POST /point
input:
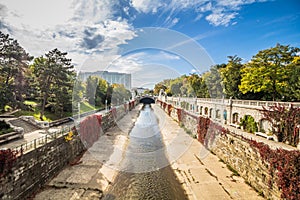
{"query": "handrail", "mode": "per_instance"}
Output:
(251, 103)
(51, 136)
(43, 140)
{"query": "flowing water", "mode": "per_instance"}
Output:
(145, 172)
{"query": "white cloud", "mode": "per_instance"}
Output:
(235, 4)
(147, 6)
(193, 71)
(175, 21)
(219, 18)
(37, 14)
(83, 28)
(206, 7)
(229, 9)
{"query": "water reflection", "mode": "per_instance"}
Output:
(143, 173)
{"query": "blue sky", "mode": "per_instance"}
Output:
(185, 36)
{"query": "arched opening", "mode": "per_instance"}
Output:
(264, 126)
(210, 112)
(206, 111)
(248, 124)
(218, 114)
(147, 100)
(235, 118)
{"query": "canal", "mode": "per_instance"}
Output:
(145, 171)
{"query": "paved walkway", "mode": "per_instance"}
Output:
(201, 174)
(96, 169)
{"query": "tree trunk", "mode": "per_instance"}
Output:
(43, 106)
(274, 90)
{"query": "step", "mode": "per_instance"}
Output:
(25, 125)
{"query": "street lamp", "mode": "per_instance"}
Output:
(79, 111)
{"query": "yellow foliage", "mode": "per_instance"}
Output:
(69, 136)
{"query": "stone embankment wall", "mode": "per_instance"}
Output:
(271, 168)
(32, 169)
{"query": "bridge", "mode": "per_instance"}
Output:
(166, 151)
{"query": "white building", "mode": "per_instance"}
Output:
(110, 77)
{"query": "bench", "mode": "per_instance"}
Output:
(269, 137)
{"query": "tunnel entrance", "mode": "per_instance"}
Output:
(147, 100)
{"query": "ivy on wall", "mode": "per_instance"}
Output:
(169, 108)
(285, 122)
(7, 159)
(208, 130)
(283, 163)
(90, 129)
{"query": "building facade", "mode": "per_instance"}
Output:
(110, 77)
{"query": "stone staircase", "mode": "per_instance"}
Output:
(28, 127)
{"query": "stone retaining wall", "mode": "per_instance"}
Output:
(33, 169)
(236, 151)
(248, 163)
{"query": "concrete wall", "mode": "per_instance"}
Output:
(34, 168)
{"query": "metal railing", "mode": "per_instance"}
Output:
(31, 145)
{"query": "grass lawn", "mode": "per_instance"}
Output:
(49, 116)
(85, 107)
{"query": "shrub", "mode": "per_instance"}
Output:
(249, 124)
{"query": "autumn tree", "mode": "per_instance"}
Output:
(158, 87)
(267, 71)
(292, 92)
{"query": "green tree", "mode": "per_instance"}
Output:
(120, 94)
(101, 91)
(78, 91)
(14, 62)
(292, 91)
(175, 87)
(267, 71)
(158, 87)
(91, 86)
(214, 82)
(231, 77)
(54, 76)
(199, 86)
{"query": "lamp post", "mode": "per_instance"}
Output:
(105, 105)
(79, 111)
